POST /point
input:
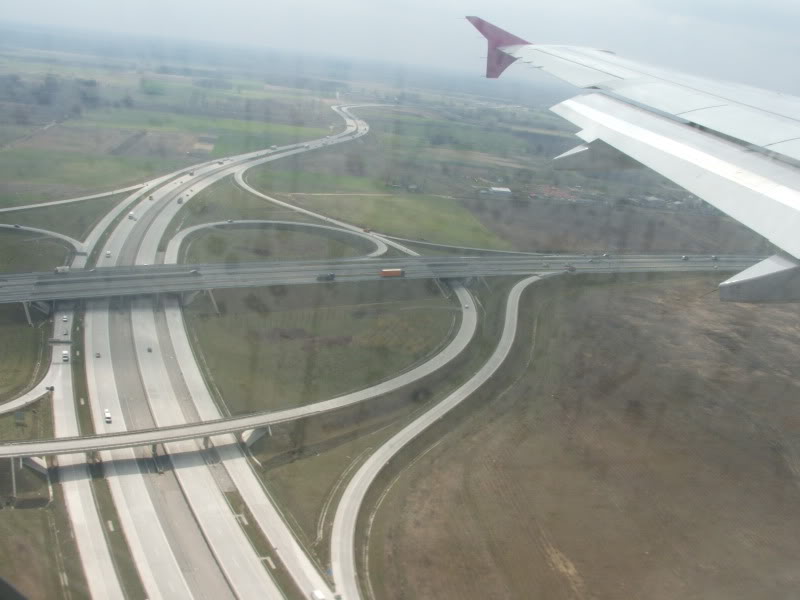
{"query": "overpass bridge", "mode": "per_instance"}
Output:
(104, 282)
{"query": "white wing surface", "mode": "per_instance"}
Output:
(735, 146)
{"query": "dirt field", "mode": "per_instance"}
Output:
(562, 226)
(648, 450)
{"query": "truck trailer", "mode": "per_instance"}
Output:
(393, 272)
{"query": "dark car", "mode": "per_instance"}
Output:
(326, 277)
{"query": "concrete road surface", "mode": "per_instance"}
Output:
(343, 558)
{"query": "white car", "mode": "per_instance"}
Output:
(107, 416)
(64, 318)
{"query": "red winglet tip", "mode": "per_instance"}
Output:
(496, 61)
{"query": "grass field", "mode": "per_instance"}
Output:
(75, 220)
(250, 244)
(40, 174)
(22, 351)
(274, 179)
(38, 555)
(279, 347)
(22, 252)
(649, 420)
(307, 464)
(442, 220)
(225, 200)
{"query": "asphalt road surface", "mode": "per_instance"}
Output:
(153, 279)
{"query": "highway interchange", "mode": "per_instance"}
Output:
(183, 536)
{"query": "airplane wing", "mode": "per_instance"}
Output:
(735, 146)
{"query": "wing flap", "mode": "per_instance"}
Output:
(759, 192)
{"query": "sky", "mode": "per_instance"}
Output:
(748, 41)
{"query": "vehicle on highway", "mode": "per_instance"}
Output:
(714, 257)
(64, 318)
(194, 272)
(61, 269)
(180, 200)
(392, 272)
(16, 226)
(570, 268)
(230, 220)
(326, 277)
(97, 355)
(684, 257)
(131, 216)
(107, 416)
(108, 253)
(65, 355)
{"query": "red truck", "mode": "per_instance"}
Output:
(393, 272)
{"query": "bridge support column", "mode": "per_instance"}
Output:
(26, 306)
(44, 307)
(213, 301)
(13, 481)
(188, 297)
(251, 436)
(441, 287)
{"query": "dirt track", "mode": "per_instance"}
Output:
(649, 451)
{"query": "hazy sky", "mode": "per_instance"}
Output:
(754, 42)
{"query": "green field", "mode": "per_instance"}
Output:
(308, 463)
(22, 252)
(442, 220)
(280, 347)
(225, 200)
(75, 219)
(272, 179)
(251, 244)
(36, 172)
(38, 553)
(22, 353)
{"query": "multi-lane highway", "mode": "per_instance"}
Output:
(156, 279)
(182, 534)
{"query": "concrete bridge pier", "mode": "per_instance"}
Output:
(188, 297)
(251, 436)
(213, 301)
(46, 308)
(13, 481)
(26, 306)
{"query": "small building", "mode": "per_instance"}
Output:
(502, 192)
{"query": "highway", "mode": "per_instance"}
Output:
(343, 559)
(156, 279)
(166, 401)
(154, 397)
(155, 561)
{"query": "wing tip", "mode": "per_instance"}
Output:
(497, 61)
